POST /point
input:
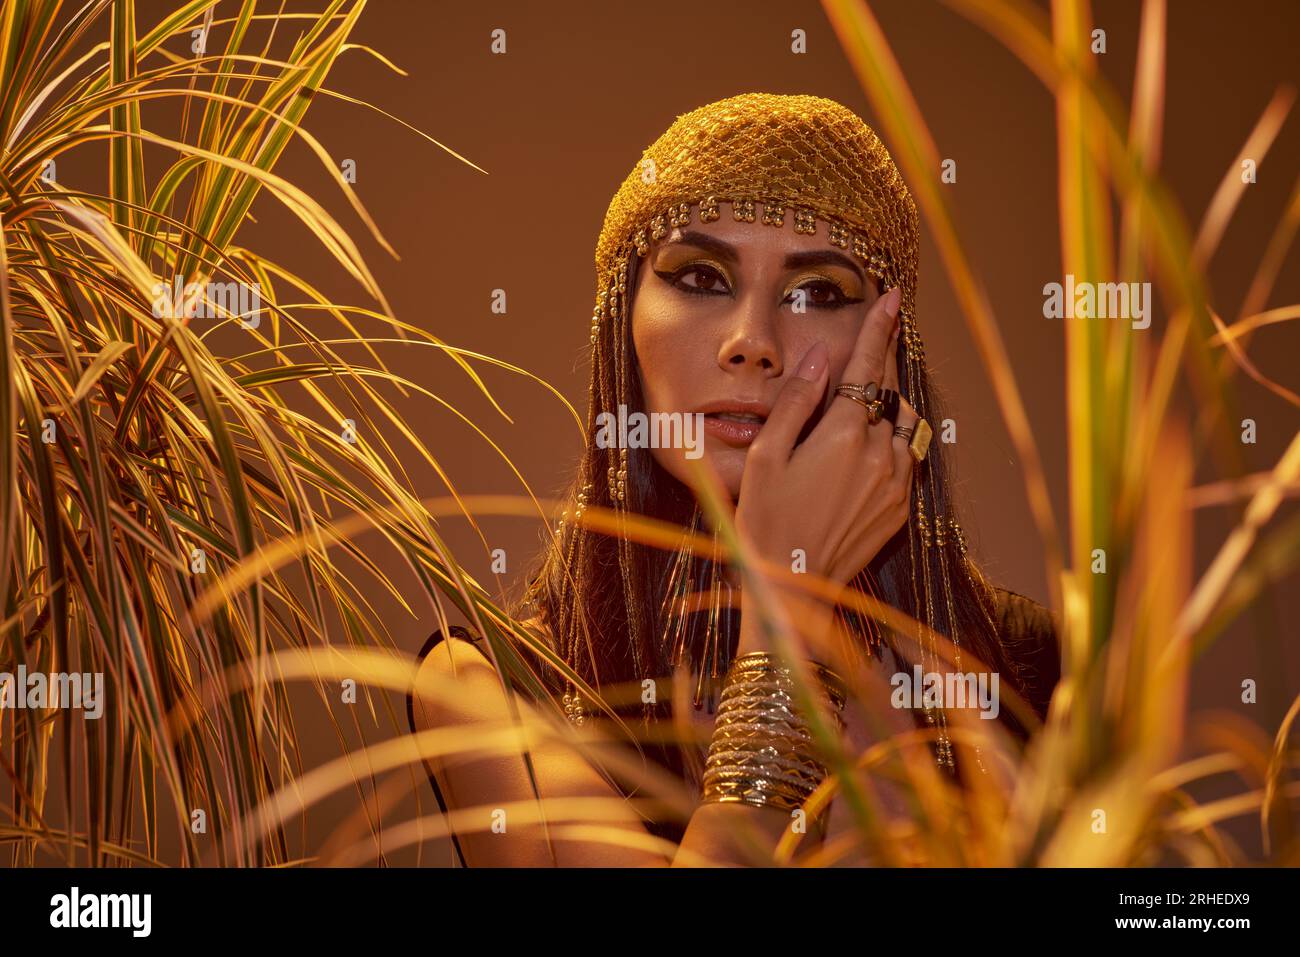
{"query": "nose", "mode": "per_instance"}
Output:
(751, 340)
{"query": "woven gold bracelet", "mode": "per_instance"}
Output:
(762, 750)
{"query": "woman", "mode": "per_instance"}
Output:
(758, 268)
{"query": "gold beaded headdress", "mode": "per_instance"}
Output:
(772, 159)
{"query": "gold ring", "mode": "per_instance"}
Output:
(920, 443)
(869, 391)
(875, 408)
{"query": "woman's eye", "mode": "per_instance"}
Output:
(822, 293)
(701, 279)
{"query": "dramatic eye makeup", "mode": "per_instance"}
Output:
(698, 278)
(680, 263)
(823, 292)
(837, 283)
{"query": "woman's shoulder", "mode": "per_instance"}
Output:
(458, 633)
(455, 653)
(462, 653)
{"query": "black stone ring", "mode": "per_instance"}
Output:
(890, 399)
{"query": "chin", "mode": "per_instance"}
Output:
(728, 462)
(730, 465)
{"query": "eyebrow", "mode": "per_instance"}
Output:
(799, 260)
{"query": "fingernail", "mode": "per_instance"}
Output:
(892, 299)
(810, 367)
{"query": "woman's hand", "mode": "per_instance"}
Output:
(845, 490)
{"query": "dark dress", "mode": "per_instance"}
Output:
(1027, 628)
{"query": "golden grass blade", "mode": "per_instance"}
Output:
(34, 107)
(1214, 583)
(1270, 562)
(1270, 265)
(1233, 185)
(9, 415)
(1231, 490)
(126, 161)
(1274, 814)
(1242, 360)
(100, 365)
(1249, 324)
(370, 106)
(1084, 223)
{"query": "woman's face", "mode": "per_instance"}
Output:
(721, 315)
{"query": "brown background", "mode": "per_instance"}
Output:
(560, 119)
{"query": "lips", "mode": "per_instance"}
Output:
(735, 422)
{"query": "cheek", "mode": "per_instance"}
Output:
(840, 356)
(668, 354)
(840, 342)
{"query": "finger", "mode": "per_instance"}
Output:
(795, 403)
(907, 417)
(899, 486)
(904, 469)
(890, 378)
(887, 462)
(867, 362)
(904, 476)
(880, 433)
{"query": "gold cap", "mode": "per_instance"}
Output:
(772, 158)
